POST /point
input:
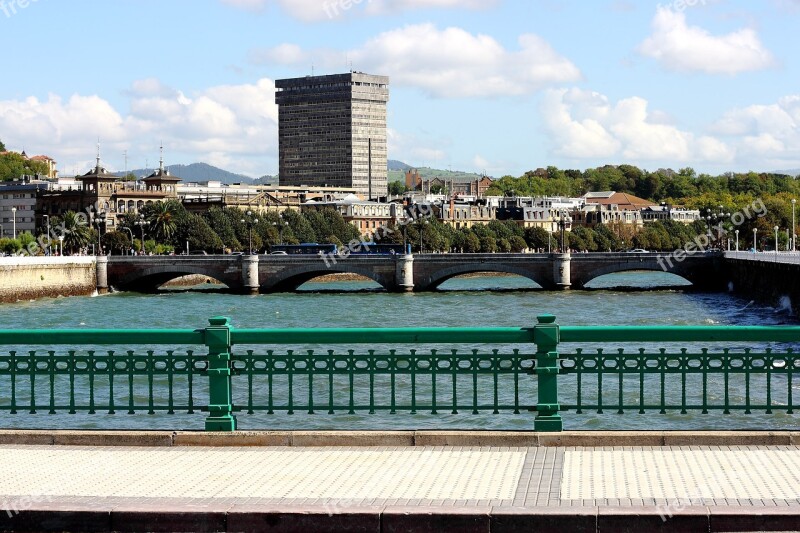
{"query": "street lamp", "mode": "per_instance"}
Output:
(755, 240)
(250, 221)
(142, 223)
(794, 231)
(99, 220)
(129, 230)
(776, 239)
(280, 225)
(422, 223)
(14, 220)
(563, 225)
(47, 229)
(737, 240)
(61, 245)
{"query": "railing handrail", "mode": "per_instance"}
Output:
(57, 337)
(440, 335)
(420, 335)
(630, 334)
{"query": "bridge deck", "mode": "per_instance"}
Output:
(399, 488)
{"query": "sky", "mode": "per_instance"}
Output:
(495, 86)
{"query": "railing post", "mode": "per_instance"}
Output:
(220, 400)
(546, 337)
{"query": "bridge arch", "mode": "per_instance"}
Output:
(438, 277)
(149, 279)
(290, 279)
(580, 279)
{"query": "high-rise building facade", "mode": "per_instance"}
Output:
(332, 132)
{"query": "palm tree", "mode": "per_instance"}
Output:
(163, 219)
(76, 230)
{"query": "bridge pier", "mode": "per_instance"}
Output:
(250, 282)
(562, 274)
(101, 267)
(404, 273)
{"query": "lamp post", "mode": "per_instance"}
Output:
(279, 225)
(14, 221)
(99, 220)
(142, 223)
(129, 230)
(422, 223)
(776, 239)
(250, 221)
(794, 231)
(716, 219)
(61, 245)
(755, 240)
(737, 240)
(562, 223)
(47, 230)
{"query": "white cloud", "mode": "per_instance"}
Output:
(415, 150)
(586, 125)
(448, 63)
(236, 124)
(769, 133)
(683, 48)
(480, 162)
(320, 10)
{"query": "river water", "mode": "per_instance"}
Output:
(475, 301)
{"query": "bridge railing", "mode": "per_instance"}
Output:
(545, 369)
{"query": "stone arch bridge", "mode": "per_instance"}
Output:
(398, 273)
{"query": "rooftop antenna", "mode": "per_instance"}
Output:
(97, 167)
(125, 155)
(312, 69)
(161, 161)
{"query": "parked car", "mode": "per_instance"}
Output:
(278, 252)
(198, 252)
(637, 251)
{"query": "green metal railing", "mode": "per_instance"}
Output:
(544, 369)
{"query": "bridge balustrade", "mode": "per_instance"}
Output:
(539, 372)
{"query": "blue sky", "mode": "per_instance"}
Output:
(503, 86)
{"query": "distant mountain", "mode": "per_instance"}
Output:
(394, 164)
(196, 172)
(430, 173)
(266, 180)
(792, 172)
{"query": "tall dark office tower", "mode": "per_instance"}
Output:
(332, 131)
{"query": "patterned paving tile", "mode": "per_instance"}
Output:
(682, 473)
(283, 473)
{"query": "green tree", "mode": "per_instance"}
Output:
(221, 223)
(518, 244)
(488, 244)
(116, 242)
(13, 166)
(163, 217)
(2, 146)
(537, 238)
(396, 188)
(472, 244)
(75, 229)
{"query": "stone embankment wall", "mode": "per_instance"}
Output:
(27, 278)
(776, 284)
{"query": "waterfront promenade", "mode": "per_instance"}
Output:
(399, 481)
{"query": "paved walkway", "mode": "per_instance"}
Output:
(399, 488)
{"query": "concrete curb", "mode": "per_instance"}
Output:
(384, 519)
(400, 438)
